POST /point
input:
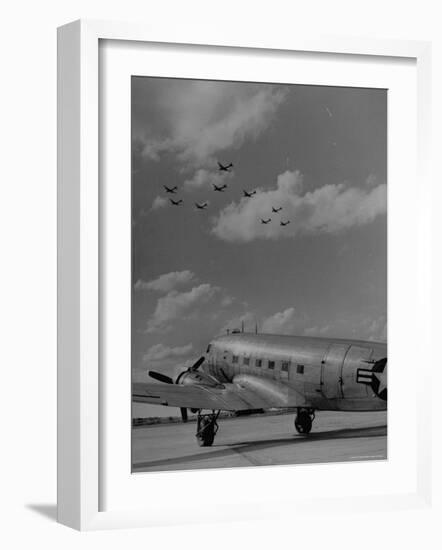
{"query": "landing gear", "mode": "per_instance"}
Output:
(304, 419)
(206, 428)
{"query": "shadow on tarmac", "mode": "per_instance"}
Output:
(224, 450)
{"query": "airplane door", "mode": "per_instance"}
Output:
(331, 371)
(357, 357)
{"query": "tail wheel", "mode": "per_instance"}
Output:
(303, 422)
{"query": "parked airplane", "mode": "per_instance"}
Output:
(244, 371)
(226, 168)
(284, 223)
(219, 187)
(276, 210)
(265, 222)
(201, 206)
(176, 203)
(172, 190)
(248, 194)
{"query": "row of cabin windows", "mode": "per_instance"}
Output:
(270, 364)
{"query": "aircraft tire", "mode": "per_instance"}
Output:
(206, 434)
(303, 422)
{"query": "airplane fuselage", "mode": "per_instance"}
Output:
(318, 373)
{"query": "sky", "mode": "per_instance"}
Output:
(318, 152)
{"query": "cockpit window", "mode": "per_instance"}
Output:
(258, 363)
(235, 359)
(246, 361)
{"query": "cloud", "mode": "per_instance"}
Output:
(206, 178)
(227, 301)
(159, 353)
(179, 305)
(204, 118)
(328, 209)
(283, 322)
(167, 281)
(159, 202)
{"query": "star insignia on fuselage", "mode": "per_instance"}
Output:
(379, 379)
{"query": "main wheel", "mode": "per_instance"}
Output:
(303, 422)
(206, 433)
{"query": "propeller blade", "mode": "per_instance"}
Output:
(160, 377)
(196, 365)
(183, 414)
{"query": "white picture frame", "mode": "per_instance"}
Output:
(79, 294)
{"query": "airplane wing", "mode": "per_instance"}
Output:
(246, 393)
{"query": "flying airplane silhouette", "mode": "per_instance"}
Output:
(176, 203)
(201, 206)
(265, 222)
(284, 223)
(172, 190)
(276, 210)
(219, 187)
(248, 194)
(223, 168)
(244, 371)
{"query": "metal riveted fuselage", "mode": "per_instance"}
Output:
(322, 373)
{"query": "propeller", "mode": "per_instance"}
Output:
(197, 365)
(160, 377)
(168, 380)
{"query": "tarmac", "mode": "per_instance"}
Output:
(262, 440)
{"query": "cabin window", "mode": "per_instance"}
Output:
(208, 348)
(285, 366)
(235, 359)
(246, 361)
(258, 363)
(300, 369)
(271, 365)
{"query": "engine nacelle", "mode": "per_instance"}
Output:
(192, 377)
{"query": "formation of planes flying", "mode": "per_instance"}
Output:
(200, 206)
(275, 211)
(221, 189)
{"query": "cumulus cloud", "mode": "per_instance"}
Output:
(283, 322)
(159, 353)
(179, 305)
(204, 118)
(159, 202)
(167, 281)
(328, 209)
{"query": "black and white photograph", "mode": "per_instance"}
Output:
(259, 274)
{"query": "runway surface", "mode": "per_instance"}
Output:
(262, 440)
